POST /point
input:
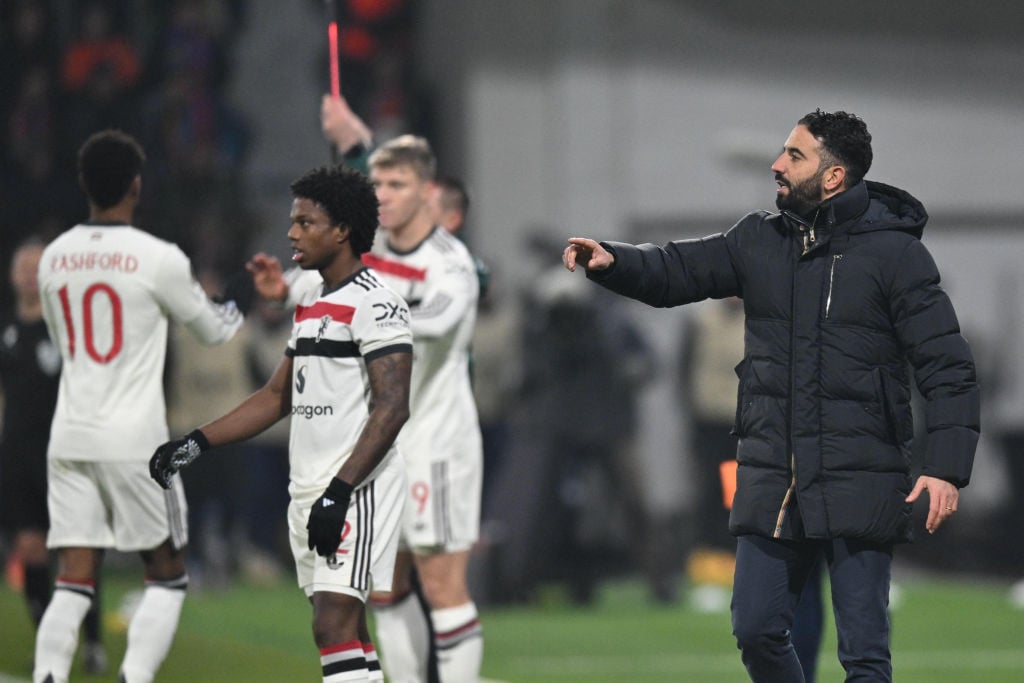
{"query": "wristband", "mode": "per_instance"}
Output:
(200, 439)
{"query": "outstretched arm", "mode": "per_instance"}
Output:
(259, 411)
(253, 415)
(587, 253)
(341, 126)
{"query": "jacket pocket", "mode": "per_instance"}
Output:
(741, 371)
(886, 389)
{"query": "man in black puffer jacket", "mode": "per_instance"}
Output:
(840, 297)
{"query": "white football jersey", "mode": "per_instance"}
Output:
(107, 292)
(334, 334)
(438, 281)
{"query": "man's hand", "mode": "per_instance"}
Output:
(341, 126)
(174, 455)
(267, 277)
(942, 500)
(587, 253)
(327, 518)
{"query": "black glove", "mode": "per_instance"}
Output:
(327, 518)
(240, 289)
(173, 455)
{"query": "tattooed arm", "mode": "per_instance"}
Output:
(389, 409)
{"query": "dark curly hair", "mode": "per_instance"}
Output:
(347, 197)
(845, 140)
(108, 162)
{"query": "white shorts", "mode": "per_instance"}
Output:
(112, 504)
(442, 507)
(365, 559)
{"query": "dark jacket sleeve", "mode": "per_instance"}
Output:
(927, 327)
(681, 272)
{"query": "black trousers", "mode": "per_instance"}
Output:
(770, 577)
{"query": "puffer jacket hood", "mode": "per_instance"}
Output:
(891, 209)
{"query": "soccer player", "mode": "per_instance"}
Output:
(449, 203)
(345, 382)
(448, 206)
(436, 275)
(441, 444)
(107, 290)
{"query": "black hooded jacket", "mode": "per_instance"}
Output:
(836, 318)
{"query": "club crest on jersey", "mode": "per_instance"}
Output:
(324, 322)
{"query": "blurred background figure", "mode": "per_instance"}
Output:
(567, 499)
(712, 347)
(449, 203)
(29, 377)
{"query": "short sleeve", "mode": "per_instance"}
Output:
(381, 323)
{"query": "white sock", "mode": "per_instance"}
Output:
(404, 639)
(460, 643)
(344, 663)
(152, 629)
(57, 636)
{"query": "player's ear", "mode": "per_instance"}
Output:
(344, 232)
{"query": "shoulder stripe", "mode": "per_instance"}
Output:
(395, 268)
(367, 280)
(337, 312)
(443, 241)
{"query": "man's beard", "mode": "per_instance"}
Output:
(802, 197)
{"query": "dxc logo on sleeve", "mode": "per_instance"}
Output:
(390, 315)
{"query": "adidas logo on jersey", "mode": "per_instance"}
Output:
(328, 502)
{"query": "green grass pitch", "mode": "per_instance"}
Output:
(943, 631)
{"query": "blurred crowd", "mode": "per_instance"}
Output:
(156, 70)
